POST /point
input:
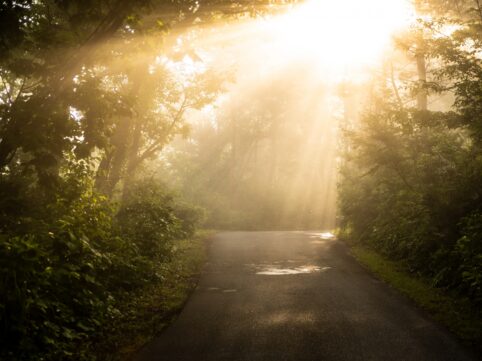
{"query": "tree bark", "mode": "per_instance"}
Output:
(112, 166)
(422, 95)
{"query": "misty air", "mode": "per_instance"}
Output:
(210, 180)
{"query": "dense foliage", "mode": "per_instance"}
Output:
(65, 270)
(90, 92)
(411, 182)
(84, 104)
(91, 95)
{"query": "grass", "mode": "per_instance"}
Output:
(147, 312)
(456, 313)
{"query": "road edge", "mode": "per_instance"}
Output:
(454, 313)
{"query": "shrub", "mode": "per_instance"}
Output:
(52, 292)
(469, 251)
(410, 188)
(147, 219)
(67, 261)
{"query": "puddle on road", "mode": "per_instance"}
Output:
(327, 235)
(217, 289)
(288, 317)
(278, 271)
(322, 235)
(321, 238)
(285, 268)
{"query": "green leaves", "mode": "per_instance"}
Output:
(411, 180)
(65, 272)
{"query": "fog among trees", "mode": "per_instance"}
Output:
(126, 126)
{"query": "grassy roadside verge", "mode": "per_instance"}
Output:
(147, 312)
(456, 313)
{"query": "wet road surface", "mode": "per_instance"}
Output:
(273, 296)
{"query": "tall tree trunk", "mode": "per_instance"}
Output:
(132, 161)
(422, 96)
(234, 154)
(125, 140)
(102, 174)
(112, 167)
(7, 152)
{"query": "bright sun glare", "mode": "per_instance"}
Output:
(337, 34)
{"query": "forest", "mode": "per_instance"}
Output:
(128, 126)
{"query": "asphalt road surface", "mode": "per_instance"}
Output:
(273, 296)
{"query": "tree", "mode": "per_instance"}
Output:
(411, 177)
(54, 53)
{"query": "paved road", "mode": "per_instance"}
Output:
(274, 296)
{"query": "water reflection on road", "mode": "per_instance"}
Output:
(271, 270)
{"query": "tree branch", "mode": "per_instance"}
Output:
(160, 142)
(479, 8)
(394, 86)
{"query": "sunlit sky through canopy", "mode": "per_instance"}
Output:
(334, 37)
(297, 57)
(340, 33)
